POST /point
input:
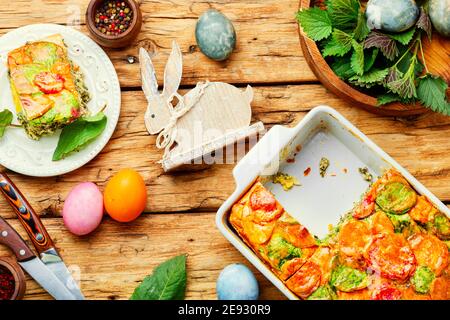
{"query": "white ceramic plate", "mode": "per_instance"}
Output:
(34, 158)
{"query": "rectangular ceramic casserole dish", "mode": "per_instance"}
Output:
(317, 202)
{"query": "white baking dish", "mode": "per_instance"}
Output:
(318, 201)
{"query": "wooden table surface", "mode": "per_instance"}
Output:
(181, 207)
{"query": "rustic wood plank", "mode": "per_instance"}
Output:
(113, 260)
(267, 50)
(421, 145)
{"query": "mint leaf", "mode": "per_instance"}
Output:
(339, 44)
(6, 118)
(432, 92)
(79, 133)
(357, 59)
(361, 30)
(370, 78)
(369, 58)
(404, 37)
(315, 23)
(167, 282)
(424, 22)
(385, 43)
(383, 99)
(343, 13)
(342, 68)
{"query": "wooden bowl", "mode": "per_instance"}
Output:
(19, 278)
(437, 55)
(114, 41)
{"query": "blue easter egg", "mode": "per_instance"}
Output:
(215, 35)
(391, 16)
(237, 282)
(440, 16)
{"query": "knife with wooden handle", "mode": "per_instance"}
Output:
(29, 219)
(38, 234)
(32, 264)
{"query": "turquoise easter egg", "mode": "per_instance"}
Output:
(440, 16)
(392, 15)
(215, 35)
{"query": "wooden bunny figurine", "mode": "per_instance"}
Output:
(207, 118)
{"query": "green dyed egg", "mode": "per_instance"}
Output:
(440, 16)
(215, 35)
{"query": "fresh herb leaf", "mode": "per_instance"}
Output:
(339, 44)
(404, 37)
(371, 78)
(167, 282)
(386, 98)
(424, 22)
(404, 63)
(432, 92)
(369, 58)
(405, 86)
(393, 75)
(357, 59)
(343, 13)
(6, 118)
(79, 133)
(315, 23)
(385, 43)
(361, 30)
(342, 68)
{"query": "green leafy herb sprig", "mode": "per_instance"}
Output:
(73, 137)
(386, 65)
(167, 282)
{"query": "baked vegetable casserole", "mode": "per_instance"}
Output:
(48, 89)
(393, 245)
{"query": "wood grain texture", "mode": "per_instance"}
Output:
(436, 52)
(421, 145)
(112, 261)
(267, 38)
(116, 257)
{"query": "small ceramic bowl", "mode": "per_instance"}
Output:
(19, 278)
(114, 41)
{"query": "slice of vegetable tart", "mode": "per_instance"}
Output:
(47, 88)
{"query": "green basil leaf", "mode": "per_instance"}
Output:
(79, 133)
(167, 282)
(6, 118)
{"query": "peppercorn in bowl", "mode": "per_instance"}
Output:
(113, 24)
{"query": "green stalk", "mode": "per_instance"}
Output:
(423, 56)
(406, 51)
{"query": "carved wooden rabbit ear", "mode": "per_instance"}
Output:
(173, 72)
(148, 77)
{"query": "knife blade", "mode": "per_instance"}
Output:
(38, 234)
(32, 264)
